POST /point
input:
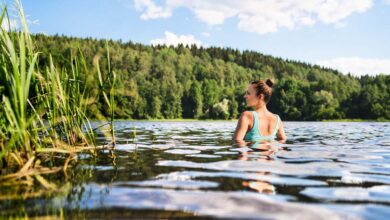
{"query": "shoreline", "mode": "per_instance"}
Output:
(235, 120)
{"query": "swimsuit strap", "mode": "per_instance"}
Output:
(255, 121)
(277, 126)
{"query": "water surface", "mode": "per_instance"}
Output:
(326, 170)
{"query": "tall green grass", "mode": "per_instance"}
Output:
(17, 64)
(107, 85)
(43, 110)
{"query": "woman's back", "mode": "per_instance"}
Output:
(262, 128)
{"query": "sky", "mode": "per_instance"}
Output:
(348, 35)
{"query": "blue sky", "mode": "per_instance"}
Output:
(349, 35)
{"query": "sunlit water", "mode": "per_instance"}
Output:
(192, 169)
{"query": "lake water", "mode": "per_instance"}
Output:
(326, 170)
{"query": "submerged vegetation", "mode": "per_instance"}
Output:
(43, 111)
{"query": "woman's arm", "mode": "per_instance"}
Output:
(242, 126)
(280, 135)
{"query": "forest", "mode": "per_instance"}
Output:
(166, 82)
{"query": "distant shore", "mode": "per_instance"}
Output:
(234, 120)
(357, 120)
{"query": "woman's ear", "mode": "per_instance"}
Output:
(261, 96)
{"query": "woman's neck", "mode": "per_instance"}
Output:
(261, 109)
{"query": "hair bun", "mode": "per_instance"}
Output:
(269, 83)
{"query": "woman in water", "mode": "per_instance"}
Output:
(259, 124)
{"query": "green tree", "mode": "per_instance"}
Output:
(195, 103)
(173, 73)
(289, 99)
(325, 106)
(210, 95)
(221, 110)
(155, 110)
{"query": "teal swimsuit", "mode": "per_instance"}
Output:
(254, 133)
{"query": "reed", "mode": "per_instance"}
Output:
(107, 90)
(43, 110)
(17, 64)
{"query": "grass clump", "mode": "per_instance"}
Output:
(43, 110)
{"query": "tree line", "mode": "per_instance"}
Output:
(166, 82)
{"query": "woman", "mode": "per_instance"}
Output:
(260, 124)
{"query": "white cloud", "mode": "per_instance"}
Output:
(33, 22)
(261, 16)
(44, 33)
(9, 24)
(340, 25)
(206, 34)
(173, 39)
(358, 66)
(13, 22)
(152, 11)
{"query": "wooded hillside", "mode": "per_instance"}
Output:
(193, 82)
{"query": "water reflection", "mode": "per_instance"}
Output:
(260, 186)
(193, 169)
(262, 151)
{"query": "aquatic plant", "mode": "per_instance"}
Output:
(43, 109)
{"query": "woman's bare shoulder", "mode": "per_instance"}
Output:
(246, 113)
(246, 116)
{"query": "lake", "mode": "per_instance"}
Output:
(326, 170)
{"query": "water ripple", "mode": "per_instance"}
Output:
(325, 170)
(243, 205)
(372, 194)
